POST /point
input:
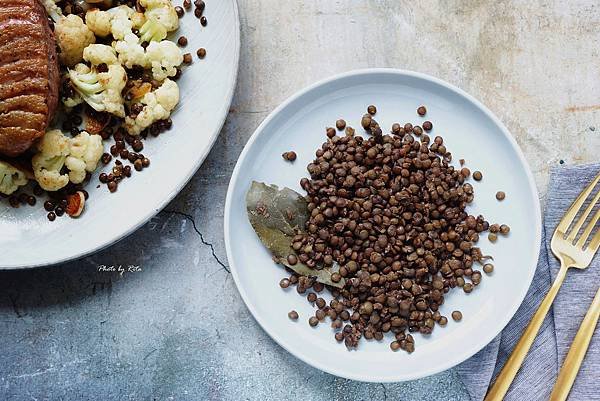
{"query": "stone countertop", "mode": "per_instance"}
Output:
(177, 328)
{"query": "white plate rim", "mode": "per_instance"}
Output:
(183, 182)
(481, 342)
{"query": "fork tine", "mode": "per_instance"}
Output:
(586, 233)
(594, 243)
(582, 219)
(572, 212)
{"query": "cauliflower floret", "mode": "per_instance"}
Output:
(72, 36)
(55, 151)
(131, 52)
(84, 154)
(120, 22)
(164, 58)
(152, 31)
(163, 11)
(71, 102)
(157, 105)
(117, 21)
(99, 22)
(98, 54)
(11, 178)
(48, 162)
(138, 20)
(52, 9)
(101, 90)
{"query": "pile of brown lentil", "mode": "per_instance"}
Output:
(390, 211)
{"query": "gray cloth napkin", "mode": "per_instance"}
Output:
(538, 374)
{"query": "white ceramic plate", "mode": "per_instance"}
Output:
(28, 239)
(471, 132)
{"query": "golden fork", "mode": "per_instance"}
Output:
(579, 347)
(569, 254)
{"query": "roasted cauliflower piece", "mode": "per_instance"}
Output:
(131, 52)
(84, 153)
(101, 90)
(164, 58)
(157, 105)
(72, 36)
(47, 164)
(163, 11)
(152, 31)
(98, 54)
(118, 21)
(11, 178)
(99, 22)
(55, 151)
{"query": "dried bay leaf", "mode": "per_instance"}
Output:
(276, 216)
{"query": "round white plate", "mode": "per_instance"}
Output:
(471, 132)
(28, 239)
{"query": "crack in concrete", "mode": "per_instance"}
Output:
(384, 391)
(193, 221)
(150, 353)
(13, 302)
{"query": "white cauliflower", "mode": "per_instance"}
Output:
(98, 54)
(138, 19)
(71, 102)
(157, 105)
(84, 153)
(11, 178)
(55, 151)
(152, 31)
(47, 164)
(163, 11)
(99, 22)
(72, 36)
(101, 90)
(131, 52)
(118, 21)
(52, 9)
(164, 58)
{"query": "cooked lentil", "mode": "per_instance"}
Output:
(182, 41)
(289, 156)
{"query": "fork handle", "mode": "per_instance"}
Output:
(516, 358)
(580, 344)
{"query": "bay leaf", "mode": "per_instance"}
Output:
(276, 215)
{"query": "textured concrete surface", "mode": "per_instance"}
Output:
(177, 328)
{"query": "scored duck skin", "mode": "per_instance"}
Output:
(29, 77)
